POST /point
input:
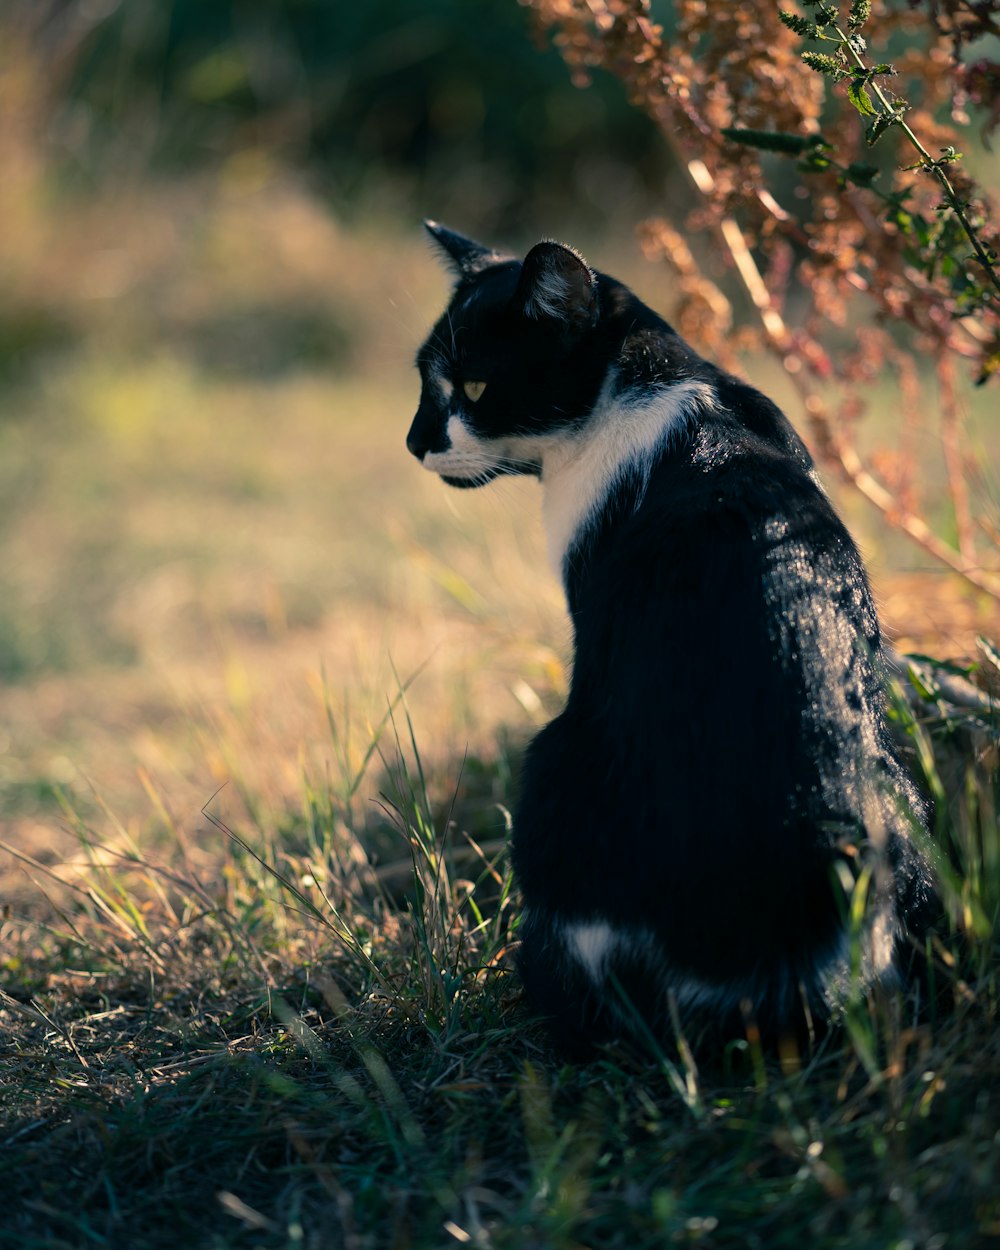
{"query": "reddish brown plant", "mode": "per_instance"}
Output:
(834, 181)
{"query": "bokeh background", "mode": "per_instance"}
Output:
(213, 544)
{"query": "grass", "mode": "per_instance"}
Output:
(302, 1048)
(256, 941)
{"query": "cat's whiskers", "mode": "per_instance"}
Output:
(414, 307)
(526, 463)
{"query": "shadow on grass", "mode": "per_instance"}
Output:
(233, 1129)
(304, 1052)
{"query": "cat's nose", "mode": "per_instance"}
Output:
(416, 445)
(424, 435)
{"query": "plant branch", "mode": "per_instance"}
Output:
(839, 450)
(928, 163)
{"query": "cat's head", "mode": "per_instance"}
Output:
(507, 367)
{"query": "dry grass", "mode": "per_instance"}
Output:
(211, 587)
(285, 1044)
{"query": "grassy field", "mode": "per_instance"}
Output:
(264, 687)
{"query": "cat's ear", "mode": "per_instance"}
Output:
(465, 256)
(557, 284)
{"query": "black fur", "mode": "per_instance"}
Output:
(722, 766)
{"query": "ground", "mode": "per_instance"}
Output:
(265, 683)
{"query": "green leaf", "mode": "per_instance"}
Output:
(923, 688)
(814, 162)
(774, 140)
(901, 218)
(800, 25)
(990, 368)
(878, 128)
(860, 98)
(823, 63)
(861, 174)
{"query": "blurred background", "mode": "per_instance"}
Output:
(212, 284)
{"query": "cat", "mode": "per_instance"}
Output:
(693, 827)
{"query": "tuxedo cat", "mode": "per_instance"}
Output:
(721, 786)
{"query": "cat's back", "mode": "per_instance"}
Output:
(725, 679)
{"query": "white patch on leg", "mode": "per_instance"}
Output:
(591, 943)
(595, 943)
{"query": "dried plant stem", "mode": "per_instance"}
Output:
(900, 244)
(951, 445)
(911, 524)
(836, 448)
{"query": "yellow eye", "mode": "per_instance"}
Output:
(473, 390)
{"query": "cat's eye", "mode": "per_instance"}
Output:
(473, 390)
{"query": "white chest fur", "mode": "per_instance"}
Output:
(622, 435)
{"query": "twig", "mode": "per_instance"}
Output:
(33, 1012)
(955, 689)
(838, 449)
(950, 446)
(927, 163)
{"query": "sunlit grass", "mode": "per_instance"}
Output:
(298, 1026)
(257, 951)
(175, 540)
